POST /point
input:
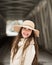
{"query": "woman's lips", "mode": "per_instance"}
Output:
(25, 34)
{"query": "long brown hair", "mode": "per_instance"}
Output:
(17, 39)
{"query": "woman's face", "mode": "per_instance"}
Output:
(26, 32)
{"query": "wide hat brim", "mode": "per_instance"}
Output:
(17, 28)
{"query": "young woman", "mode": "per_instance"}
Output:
(24, 49)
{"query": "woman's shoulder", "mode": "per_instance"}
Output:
(32, 41)
(31, 44)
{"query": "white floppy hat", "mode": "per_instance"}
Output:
(27, 24)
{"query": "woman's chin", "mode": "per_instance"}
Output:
(25, 36)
